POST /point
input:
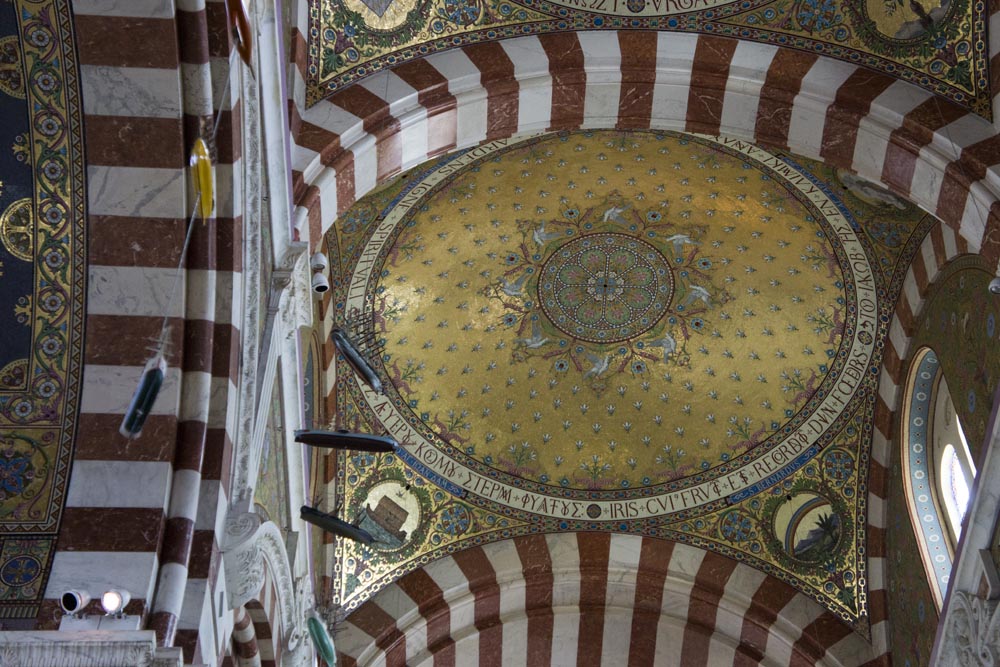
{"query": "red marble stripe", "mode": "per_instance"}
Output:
(119, 340)
(940, 252)
(378, 122)
(187, 640)
(990, 244)
(654, 564)
(497, 77)
(486, 592)
(117, 41)
(709, 76)
(97, 439)
(635, 100)
(148, 242)
(434, 608)
(781, 84)
(128, 141)
(959, 176)
(178, 535)
(204, 553)
(164, 624)
(220, 42)
(110, 529)
(771, 597)
(373, 620)
(595, 551)
(536, 564)
(703, 606)
(920, 274)
(569, 79)
(852, 103)
(816, 639)
(441, 105)
(883, 418)
(891, 360)
(193, 30)
(916, 131)
(300, 53)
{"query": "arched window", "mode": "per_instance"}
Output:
(937, 468)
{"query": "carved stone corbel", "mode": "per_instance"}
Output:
(972, 637)
(250, 548)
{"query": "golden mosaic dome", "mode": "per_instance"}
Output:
(607, 312)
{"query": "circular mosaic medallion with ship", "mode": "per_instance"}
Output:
(602, 311)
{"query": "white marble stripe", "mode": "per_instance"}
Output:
(738, 596)
(137, 192)
(876, 511)
(818, 91)
(531, 69)
(507, 565)
(139, 291)
(109, 484)
(184, 495)
(898, 338)
(108, 390)
(74, 570)
(972, 225)
(670, 634)
(888, 390)
(796, 615)
(155, 9)
(603, 63)
(910, 298)
(880, 447)
(674, 58)
(950, 241)
(193, 605)
(197, 87)
(454, 586)
(464, 82)
(873, 136)
(623, 570)
(742, 97)
(929, 259)
(140, 92)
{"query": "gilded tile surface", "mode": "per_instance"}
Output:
(939, 45)
(42, 255)
(653, 333)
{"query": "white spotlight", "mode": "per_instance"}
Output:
(73, 602)
(114, 601)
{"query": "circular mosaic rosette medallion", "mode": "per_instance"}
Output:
(605, 287)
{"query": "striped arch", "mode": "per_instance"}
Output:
(940, 246)
(927, 150)
(593, 598)
(143, 515)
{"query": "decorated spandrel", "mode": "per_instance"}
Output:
(655, 333)
(938, 45)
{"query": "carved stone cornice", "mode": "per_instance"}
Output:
(249, 546)
(84, 649)
(972, 636)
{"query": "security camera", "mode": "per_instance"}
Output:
(318, 262)
(995, 286)
(73, 602)
(319, 283)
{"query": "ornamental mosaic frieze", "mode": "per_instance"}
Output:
(939, 45)
(42, 255)
(652, 333)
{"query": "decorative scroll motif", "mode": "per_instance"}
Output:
(251, 546)
(62, 649)
(972, 638)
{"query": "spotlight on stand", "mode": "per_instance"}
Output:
(343, 439)
(995, 286)
(113, 602)
(347, 348)
(73, 602)
(332, 524)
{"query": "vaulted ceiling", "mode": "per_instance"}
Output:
(938, 45)
(656, 333)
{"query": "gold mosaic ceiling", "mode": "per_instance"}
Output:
(654, 333)
(939, 45)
